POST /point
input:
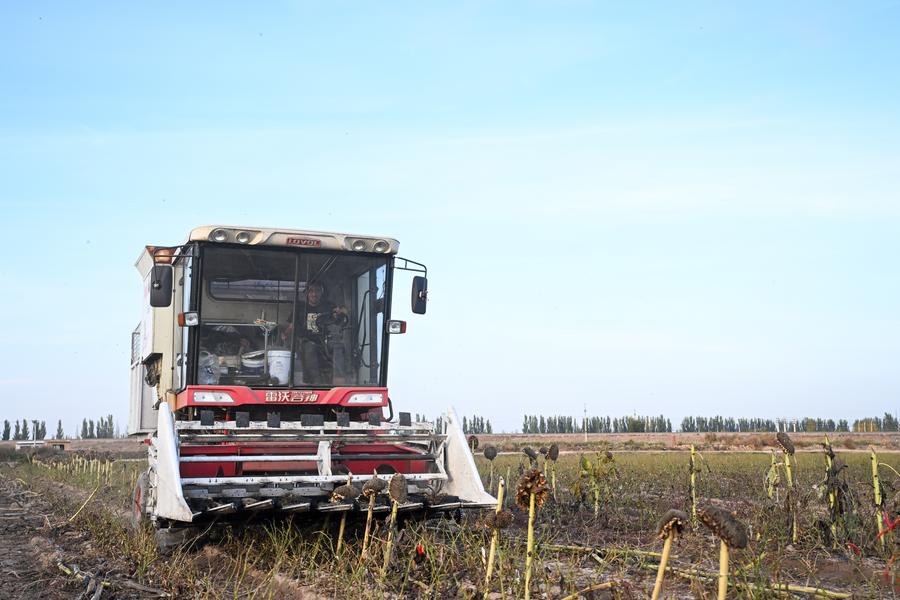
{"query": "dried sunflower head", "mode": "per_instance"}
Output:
(543, 450)
(532, 483)
(785, 442)
(473, 443)
(490, 452)
(346, 492)
(608, 455)
(723, 524)
(531, 454)
(373, 487)
(553, 452)
(397, 488)
(499, 520)
(673, 520)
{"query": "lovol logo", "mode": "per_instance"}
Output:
(291, 396)
(305, 242)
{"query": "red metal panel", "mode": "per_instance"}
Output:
(237, 469)
(222, 469)
(251, 449)
(242, 395)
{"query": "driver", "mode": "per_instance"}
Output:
(316, 335)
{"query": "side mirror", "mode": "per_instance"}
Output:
(419, 294)
(161, 286)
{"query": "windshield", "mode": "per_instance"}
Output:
(290, 318)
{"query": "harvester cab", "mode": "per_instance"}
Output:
(259, 375)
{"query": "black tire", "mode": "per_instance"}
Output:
(170, 539)
(139, 516)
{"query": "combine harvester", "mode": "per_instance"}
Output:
(259, 375)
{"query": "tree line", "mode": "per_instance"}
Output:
(473, 424)
(888, 423)
(698, 424)
(33, 429)
(103, 428)
(37, 431)
(476, 424)
(568, 424)
(732, 425)
(806, 424)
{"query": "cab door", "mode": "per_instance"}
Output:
(184, 302)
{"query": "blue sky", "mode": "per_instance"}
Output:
(654, 208)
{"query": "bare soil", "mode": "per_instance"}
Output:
(39, 547)
(44, 555)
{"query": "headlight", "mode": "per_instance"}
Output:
(244, 237)
(365, 399)
(359, 245)
(212, 397)
(382, 246)
(218, 235)
(188, 319)
(396, 326)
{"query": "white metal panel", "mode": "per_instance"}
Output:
(463, 479)
(170, 503)
(149, 415)
(146, 327)
(251, 458)
(134, 403)
(142, 416)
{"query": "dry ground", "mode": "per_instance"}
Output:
(38, 533)
(39, 544)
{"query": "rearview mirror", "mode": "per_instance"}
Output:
(419, 294)
(161, 286)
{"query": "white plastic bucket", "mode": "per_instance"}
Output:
(279, 365)
(252, 363)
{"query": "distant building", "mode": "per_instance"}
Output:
(62, 445)
(26, 444)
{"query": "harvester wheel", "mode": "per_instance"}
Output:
(170, 539)
(139, 501)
